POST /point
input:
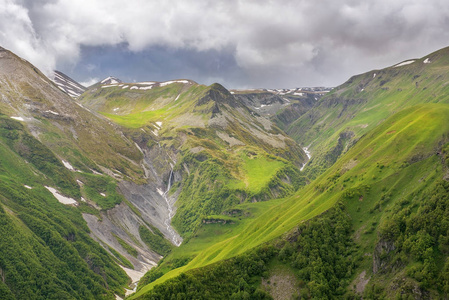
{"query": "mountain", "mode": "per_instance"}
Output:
(68, 85)
(365, 100)
(210, 145)
(117, 160)
(282, 106)
(46, 248)
(372, 222)
(212, 190)
(110, 80)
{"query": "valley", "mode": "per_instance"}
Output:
(161, 190)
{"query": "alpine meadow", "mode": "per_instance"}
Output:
(179, 190)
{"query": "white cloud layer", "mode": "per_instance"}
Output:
(297, 41)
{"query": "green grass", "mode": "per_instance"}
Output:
(156, 241)
(95, 185)
(139, 119)
(122, 260)
(259, 171)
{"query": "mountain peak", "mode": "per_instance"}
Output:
(68, 85)
(111, 80)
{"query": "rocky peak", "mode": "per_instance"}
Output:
(110, 80)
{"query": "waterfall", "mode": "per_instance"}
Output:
(170, 211)
(306, 150)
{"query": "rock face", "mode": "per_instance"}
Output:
(380, 257)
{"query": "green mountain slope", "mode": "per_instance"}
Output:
(388, 168)
(392, 167)
(365, 101)
(55, 149)
(45, 247)
(71, 132)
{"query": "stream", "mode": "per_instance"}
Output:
(306, 150)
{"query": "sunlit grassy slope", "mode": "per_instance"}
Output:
(364, 101)
(396, 156)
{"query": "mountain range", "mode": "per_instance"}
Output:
(200, 192)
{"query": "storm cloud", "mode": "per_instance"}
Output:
(240, 43)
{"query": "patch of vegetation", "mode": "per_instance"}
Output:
(101, 189)
(155, 241)
(121, 258)
(132, 251)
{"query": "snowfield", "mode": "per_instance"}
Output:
(61, 198)
(18, 118)
(404, 63)
(68, 165)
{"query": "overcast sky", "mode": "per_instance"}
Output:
(247, 43)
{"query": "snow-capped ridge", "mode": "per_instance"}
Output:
(67, 84)
(110, 80)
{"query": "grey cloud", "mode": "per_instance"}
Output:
(277, 43)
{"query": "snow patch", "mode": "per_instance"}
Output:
(52, 112)
(374, 75)
(28, 187)
(173, 81)
(146, 82)
(177, 97)
(404, 63)
(146, 87)
(124, 87)
(18, 118)
(61, 198)
(427, 61)
(134, 88)
(103, 194)
(68, 165)
(111, 79)
(159, 124)
(115, 109)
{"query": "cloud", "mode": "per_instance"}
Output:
(90, 81)
(285, 42)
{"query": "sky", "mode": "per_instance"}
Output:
(239, 43)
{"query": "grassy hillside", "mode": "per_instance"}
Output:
(394, 162)
(364, 101)
(45, 247)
